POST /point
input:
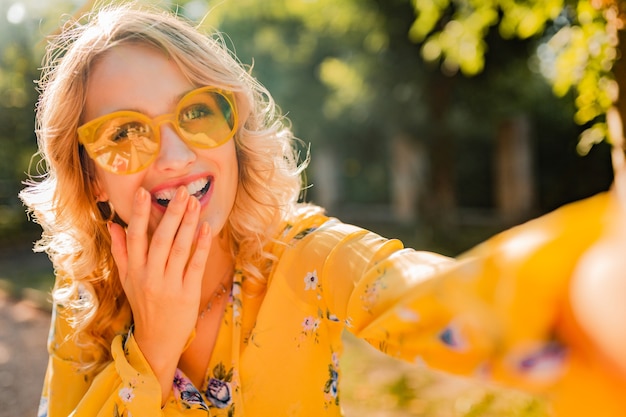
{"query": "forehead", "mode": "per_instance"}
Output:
(133, 77)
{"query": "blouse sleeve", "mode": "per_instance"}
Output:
(125, 386)
(500, 311)
(493, 312)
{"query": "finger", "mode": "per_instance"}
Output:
(181, 248)
(118, 248)
(137, 231)
(163, 237)
(197, 262)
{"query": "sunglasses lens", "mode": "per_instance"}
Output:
(206, 119)
(124, 144)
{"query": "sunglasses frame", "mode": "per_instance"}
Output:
(86, 132)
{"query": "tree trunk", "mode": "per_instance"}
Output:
(443, 204)
(326, 180)
(514, 182)
(408, 170)
(619, 72)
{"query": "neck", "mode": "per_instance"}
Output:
(219, 268)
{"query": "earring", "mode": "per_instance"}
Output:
(106, 209)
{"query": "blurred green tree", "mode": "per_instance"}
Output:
(385, 127)
(23, 26)
(581, 40)
(18, 69)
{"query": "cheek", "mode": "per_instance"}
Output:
(233, 174)
(228, 182)
(121, 200)
(226, 157)
(119, 191)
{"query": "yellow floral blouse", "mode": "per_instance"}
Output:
(494, 313)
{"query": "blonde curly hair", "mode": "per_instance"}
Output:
(62, 198)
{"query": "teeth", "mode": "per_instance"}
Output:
(192, 188)
(165, 194)
(197, 185)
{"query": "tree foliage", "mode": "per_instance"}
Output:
(578, 49)
(350, 80)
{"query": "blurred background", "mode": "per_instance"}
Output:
(440, 123)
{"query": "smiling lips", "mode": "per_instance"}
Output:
(197, 188)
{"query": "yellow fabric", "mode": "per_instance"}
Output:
(496, 312)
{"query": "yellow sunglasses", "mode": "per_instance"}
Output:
(125, 142)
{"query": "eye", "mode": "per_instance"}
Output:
(195, 112)
(128, 131)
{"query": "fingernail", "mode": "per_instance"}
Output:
(140, 195)
(193, 203)
(204, 229)
(181, 194)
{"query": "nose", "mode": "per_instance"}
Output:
(174, 154)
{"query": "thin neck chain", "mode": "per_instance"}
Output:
(217, 295)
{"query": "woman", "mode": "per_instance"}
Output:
(189, 279)
(169, 205)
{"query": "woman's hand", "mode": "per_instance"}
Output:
(162, 277)
(597, 297)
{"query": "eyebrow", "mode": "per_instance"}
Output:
(173, 103)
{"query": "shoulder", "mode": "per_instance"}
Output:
(308, 225)
(304, 219)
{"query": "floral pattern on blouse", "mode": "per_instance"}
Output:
(451, 337)
(331, 387)
(544, 362)
(311, 281)
(300, 235)
(43, 407)
(372, 294)
(220, 387)
(187, 393)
